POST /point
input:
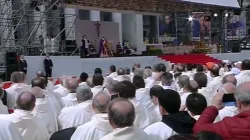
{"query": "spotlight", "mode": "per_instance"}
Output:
(226, 15)
(215, 14)
(190, 18)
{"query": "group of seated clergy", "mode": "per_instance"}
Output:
(182, 102)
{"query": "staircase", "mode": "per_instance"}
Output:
(191, 58)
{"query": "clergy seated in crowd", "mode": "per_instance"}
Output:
(29, 126)
(83, 78)
(50, 85)
(17, 87)
(167, 81)
(173, 120)
(99, 125)
(244, 75)
(113, 89)
(143, 118)
(61, 89)
(229, 79)
(122, 114)
(189, 71)
(191, 87)
(43, 110)
(235, 127)
(3, 108)
(54, 104)
(70, 99)
(113, 73)
(8, 131)
(80, 114)
(98, 81)
(181, 82)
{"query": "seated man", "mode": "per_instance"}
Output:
(155, 92)
(99, 125)
(119, 49)
(98, 84)
(122, 109)
(30, 127)
(173, 120)
(70, 99)
(80, 114)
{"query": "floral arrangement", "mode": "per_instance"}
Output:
(201, 48)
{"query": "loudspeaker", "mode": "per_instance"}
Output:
(11, 59)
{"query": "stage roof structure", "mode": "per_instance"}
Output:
(224, 3)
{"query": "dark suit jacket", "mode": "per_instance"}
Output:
(47, 64)
(23, 64)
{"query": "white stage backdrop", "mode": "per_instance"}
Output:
(73, 65)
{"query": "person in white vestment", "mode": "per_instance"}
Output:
(143, 117)
(29, 126)
(214, 85)
(201, 79)
(3, 108)
(154, 92)
(173, 121)
(229, 110)
(229, 79)
(50, 85)
(121, 114)
(142, 93)
(113, 89)
(127, 72)
(54, 103)
(120, 73)
(189, 71)
(42, 110)
(8, 131)
(155, 79)
(99, 125)
(16, 88)
(183, 80)
(113, 73)
(83, 78)
(147, 73)
(167, 81)
(244, 75)
(70, 99)
(80, 114)
(191, 87)
(60, 89)
(98, 84)
(200, 68)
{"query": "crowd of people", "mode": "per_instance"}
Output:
(182, 102)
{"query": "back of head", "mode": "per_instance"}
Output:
(192, 86)
(39, 73)
(170, 101)
(167, 79)
(83, 77)
(242, 94)
(38, 82)
(183, 80)
(138, 81)
(201, 79)
(98, 71)
(245, 65)
(228, 88)
(126, 90)
(113, 87)
(177, 75)
(120, 71)
(121, 113)
(205, 135)
(72, 85)
(127, 71)
(196, 103)
(90, 82)
(26, 101)
(160, 68)
(215, 71)
(199, 68)
(147, 73)
(180, 68)
(156, 91)
(38, 92)
(83, 93)
(229, 79)
(101, 102)
(112, 68)
(189, 67)
(183, 137)
(97, 79)
(139, 72)
(16, 77)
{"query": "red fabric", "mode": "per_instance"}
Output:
(230, 128)
(6, 85)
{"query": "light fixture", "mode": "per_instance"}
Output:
(190, 18)
(215, 14)
(226, 15)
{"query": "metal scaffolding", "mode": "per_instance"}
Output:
(25, 24)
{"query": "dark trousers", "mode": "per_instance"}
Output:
(84, 52)
(49, 73)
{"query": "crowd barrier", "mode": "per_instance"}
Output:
(54, 80)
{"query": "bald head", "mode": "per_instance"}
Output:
(39, 73)
(229, 79)
(120, 71)
(26, 101)
(192, 86)
(38, 82)
(38, 92)
(183, 80)
(215, 70)
(72, 85)
(121, 113)
(242, 94)
(101, 102)
(229, 87)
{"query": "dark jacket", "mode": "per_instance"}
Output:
(230, 128)
(23, 64)
(47, 64)
(181, 122)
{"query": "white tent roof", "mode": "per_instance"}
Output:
(226, 3)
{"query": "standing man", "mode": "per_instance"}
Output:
(23, 64)
(48, 65)
(85, 46)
